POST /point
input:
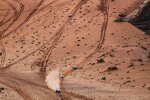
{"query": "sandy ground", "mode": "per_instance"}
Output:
(41, 35)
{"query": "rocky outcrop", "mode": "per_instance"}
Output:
(141, 17)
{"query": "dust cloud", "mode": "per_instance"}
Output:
(53, 80)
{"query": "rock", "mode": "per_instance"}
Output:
(141, 17)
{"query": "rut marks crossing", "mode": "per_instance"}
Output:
(15, 82)
(14, 19)
(4, 30)
(57, 37)
(105, 8)
(26, 19)
(13, 85)
(17, 14)
(5, 20)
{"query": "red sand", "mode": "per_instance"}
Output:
(36, 33)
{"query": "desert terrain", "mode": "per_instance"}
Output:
(37, 36)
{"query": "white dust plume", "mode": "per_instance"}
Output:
(53, 80)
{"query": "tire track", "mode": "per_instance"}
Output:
(105, 8)
(56, 38)
(22, 93)
(41, 9)
(15, 79)
(5, 16)
(58, 35)
(35, 63)
(3, 53)
(16, 16)
(13, 76)
(18, 90)
(1, 35)
(47, 55)
(49, 4)
(31, 53)
(66, 94)
(26, 19)
(17, 13)
(44, 15)
(12, 8)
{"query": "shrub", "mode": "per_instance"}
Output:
(112, 68)
(149, 55)
(103, 78)
(148, 88)
(122, 15)
(119, 19)
(100, 60)
(1, 89)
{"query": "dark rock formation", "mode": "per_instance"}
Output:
(141, 17)
(143, 20)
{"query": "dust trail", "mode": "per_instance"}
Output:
(53, 80)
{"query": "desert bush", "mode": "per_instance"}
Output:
(113, 68)
(122, 15)
(100, 60)
(103, 78)
(119, 19)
